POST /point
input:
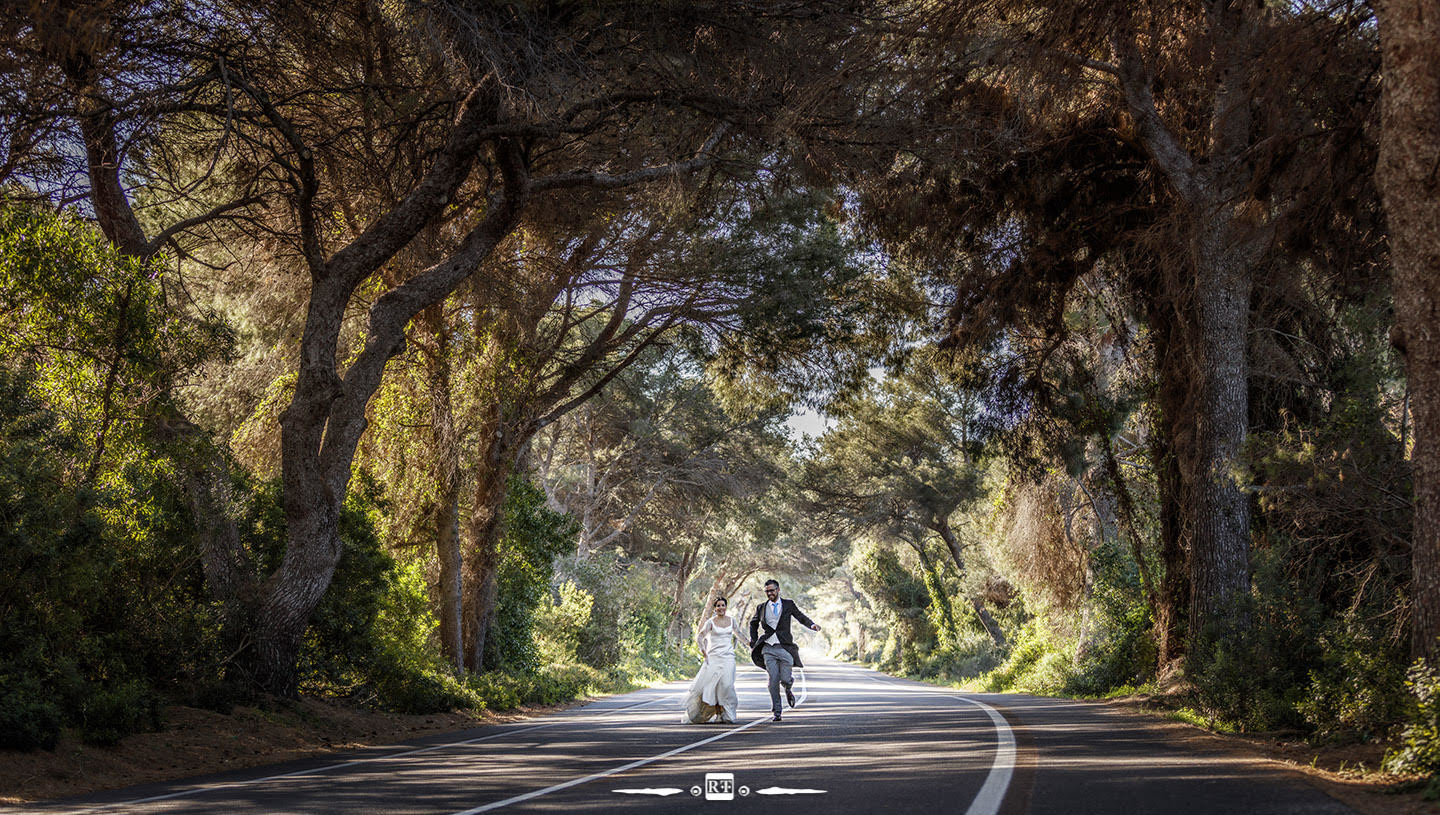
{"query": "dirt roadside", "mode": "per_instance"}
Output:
(199, 742)
(1348, 773)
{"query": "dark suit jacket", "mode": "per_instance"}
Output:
(759, 632)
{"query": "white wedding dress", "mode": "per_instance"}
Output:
(712, 694)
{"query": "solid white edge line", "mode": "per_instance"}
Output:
(997, 782)
(575, 782)
(328, 767)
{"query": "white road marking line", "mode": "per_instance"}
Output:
(992, 794)
(575, 782)
(997, 783)
(327, 768)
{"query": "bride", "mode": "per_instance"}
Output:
(712, 694)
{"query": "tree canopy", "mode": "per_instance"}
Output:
(440, 353)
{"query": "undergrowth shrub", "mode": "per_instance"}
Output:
(1037, 663)
(1299, 664)
(110, 713)
(1419, 750)
(102, 602)
(1357, 690)
(1121, 648)
(29, 717)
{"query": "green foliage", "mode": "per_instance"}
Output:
(1419, 750)
(813, 314)
(95, 329)
(102, 603)
(559, 621)
(1254, 677)
(1300, 664)
(30, 718)
(597, 642)
(897, 590)
(1252, 680)
(1037, 663)
(1121, 648)
(1057, 655)
(1356, 691)
(370, 639)
(625, 634)
(902, 458)
(500, 690)
(643, 623)
(534, 535)
(115, 711)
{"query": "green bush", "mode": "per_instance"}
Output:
(1038, 663)
(1419, 750)
(968, 658)
(104, 603)
(626, 633)
(415, 689)
(1253, 678)
(1300, 663)
(1122, 647)
(1357, 692)
(111, 713)
(29, 716)
(497, 691)
(906, 599)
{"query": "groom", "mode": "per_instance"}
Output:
(774, 650)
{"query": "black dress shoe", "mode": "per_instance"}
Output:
(789, 696)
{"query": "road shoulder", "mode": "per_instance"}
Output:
(200, 742)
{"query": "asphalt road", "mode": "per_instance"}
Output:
(859, 741)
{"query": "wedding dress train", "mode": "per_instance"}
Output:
(712, 693)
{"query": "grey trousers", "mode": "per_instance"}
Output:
(778, 663)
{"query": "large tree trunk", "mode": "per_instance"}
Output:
(1169, 441)
(675, 628)
(1172, 609)
(952, 543)
(1409, 156)
(502, 445)
(447, 488)
(293, 592)
(482, 592)
(1228, 236)
(482, 566)
(1220, 514)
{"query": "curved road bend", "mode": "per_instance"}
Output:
(859, 742)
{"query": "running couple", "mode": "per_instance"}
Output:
(712, 694)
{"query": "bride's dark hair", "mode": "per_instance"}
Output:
(718, 599)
